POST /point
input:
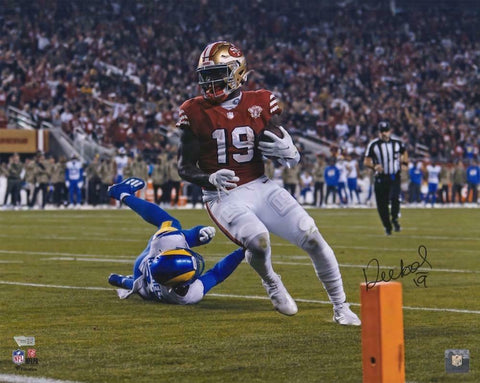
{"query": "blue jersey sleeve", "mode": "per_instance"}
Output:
(150, 212)
(191, 235)
(222, 269)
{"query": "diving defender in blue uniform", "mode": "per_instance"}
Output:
(168, 270)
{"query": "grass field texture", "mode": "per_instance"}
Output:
(54, 267)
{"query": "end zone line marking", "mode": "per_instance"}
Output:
(477, 312)
(8, 378)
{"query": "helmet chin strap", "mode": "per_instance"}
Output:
(245, 76)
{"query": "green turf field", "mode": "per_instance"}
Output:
(53, 286)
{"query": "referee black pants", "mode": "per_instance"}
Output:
(387, 191)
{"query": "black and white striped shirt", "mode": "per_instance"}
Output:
(386, 153)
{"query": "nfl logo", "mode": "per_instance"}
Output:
(18, 357)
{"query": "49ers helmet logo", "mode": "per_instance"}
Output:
(234, 51)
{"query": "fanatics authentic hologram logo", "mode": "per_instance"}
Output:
(24, 340)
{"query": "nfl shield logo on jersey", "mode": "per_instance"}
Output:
(18, 357)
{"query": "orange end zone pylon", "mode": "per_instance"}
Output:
(383, 350)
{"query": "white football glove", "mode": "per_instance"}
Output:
(280, 147)
(206, 234)
(223, 179)
(248, 256)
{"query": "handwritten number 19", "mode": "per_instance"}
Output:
(420, 278)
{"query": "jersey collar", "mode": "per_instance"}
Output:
(232, 103)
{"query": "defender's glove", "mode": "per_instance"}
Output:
(223, 179)
(206, 234)
(67, 184)
(126, 188)
(279, 147)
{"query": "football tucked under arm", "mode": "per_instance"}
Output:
(276, 142)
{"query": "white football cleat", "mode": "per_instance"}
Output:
(281, 299)
(344, 316)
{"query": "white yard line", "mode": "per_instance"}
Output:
(254, 297)
(69, 238)
(133, 257)
(346, 265)
(2, 261)
(106, 260)
(60, 256)
(90, 258)
(55, 286)
(8, 378)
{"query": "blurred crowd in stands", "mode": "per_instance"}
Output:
(117, 70)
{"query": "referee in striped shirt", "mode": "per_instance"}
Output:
(386, 156)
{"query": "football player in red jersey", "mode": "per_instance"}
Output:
(222, 152)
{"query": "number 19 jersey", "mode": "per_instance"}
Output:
(229, 136)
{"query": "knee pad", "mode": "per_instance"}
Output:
(309, 236)
(258, 247)
(320, 252)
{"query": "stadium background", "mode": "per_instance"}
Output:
(113, 73)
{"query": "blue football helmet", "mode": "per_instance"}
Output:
(177, 267)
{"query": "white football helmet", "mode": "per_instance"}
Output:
(221, 69)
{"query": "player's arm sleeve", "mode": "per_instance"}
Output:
(218, 273)
(192, 236)
(150, 212)
(188, 154)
